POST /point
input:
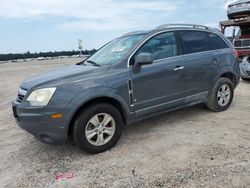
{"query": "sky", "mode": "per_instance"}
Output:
(49, 25)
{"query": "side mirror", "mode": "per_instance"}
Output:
(143, 59)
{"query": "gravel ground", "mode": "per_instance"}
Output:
(193, 147)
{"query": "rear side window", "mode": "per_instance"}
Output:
(217, 42)
(194, 41)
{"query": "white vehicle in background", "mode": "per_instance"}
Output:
(41, 58)
(245, 68)
(238, 9)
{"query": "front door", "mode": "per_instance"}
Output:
(161, 85)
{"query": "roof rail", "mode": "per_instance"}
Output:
(134, 33)
(165, 26)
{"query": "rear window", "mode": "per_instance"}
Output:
(217, 42)
(194, 41)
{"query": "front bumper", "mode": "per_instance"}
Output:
(37, 121)
(243, 52)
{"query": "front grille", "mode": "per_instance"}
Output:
(21, 94)
(237, 43)
(19, 98)
(246, 43)
(242, 43)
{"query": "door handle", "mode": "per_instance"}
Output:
(178, 68)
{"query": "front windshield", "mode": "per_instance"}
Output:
(115, 50)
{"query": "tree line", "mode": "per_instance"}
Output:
(28, 55)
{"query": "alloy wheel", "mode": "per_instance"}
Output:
(100, 129)
(224, 95)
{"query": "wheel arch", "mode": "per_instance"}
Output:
(100, 99)
(231, 76)
(227, 74)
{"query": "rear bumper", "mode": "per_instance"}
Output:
(37, 121)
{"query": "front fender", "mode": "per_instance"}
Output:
(97, 92)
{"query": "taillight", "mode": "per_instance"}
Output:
(236, 54)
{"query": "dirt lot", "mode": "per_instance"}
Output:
(192, 147)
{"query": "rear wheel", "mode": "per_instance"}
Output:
(221, 96)
(98, 128)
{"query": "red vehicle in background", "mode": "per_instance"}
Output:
(238, 13)
(241, 40)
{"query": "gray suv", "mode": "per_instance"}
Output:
(136, 76)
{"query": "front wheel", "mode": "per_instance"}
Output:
(98, 128)
(221, 96)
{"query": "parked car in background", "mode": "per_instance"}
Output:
(238, 9)
(136, 76)
(245, 68)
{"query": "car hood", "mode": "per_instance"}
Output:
(60, 76)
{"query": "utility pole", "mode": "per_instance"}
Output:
(80, 46)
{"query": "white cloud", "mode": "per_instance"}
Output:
(90, 14)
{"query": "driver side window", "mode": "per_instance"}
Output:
(161, 46)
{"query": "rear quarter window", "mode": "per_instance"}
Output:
(217, 42)
(194, 41)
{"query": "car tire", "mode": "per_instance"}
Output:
(221, 96)
(92, 134)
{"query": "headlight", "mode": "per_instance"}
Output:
(41, 97)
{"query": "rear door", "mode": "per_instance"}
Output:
(201, 62)
(222, 52)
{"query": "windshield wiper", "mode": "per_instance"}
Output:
(80, 63)
(93, 63)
